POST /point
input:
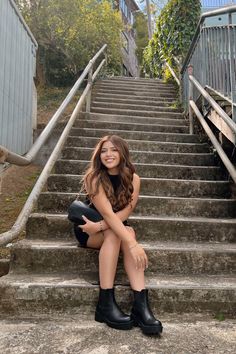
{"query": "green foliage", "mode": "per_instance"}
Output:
(141, 30)
(69, 33)
(175, 28)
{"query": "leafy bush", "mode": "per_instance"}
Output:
(69, 33)
(175, 28)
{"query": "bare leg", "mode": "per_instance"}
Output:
(136, 276)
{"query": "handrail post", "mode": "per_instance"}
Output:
(90, 81)
(190, 97)
(231, 66)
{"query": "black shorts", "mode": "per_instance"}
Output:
(82, 237)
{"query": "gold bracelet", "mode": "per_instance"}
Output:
(133, 246)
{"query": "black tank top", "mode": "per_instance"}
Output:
(115, 181)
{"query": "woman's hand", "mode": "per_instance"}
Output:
(139, 256)
(90, 227)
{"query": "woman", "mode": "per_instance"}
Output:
(113, 188)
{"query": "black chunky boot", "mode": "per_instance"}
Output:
(142, 315)
(108, 311)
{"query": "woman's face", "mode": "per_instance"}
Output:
(110, 157)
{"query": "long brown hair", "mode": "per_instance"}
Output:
(98, 171)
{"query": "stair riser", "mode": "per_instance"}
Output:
(151, 136)
(167, 188)
(156, 114)
(143, 145)
(59, 228)
(136, 106)
(150, 171)
(42, 299)
(130, 101)
(71, 153)
(136, 85)
(134, 94)
(132, 119)
(52, 202)
(140, 98)
(76, 260)
(136, 91)
(131, 127)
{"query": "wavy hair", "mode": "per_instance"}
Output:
(98, 172)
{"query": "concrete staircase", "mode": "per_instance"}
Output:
(185, 218)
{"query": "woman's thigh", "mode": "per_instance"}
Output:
(95, 240)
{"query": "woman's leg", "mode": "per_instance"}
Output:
(136, 276)
(108, 258)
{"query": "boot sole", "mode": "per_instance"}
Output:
(122, 326)
(147, 329)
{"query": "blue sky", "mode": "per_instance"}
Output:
(204, 2)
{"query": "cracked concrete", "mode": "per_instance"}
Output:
(63, 334)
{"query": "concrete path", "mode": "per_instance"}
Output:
(80, 334)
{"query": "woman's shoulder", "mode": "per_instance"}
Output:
(136, 178)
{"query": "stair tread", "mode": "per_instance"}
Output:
(156, 197)
(144, 141)
(135, 131)
(143, 217)
(150, 245)
(177, 121)
(167, 281)
(123, 123)
(151, 152)
(200, 181)
(153, 164)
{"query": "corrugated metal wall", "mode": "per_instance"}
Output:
(17, 69)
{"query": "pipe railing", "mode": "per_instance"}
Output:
(213, 55)
(20, 223)
(13, 158)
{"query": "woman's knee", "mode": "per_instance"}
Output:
(110, 237)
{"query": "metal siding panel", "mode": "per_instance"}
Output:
(17, 68)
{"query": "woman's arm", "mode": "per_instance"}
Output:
(104, 207)
(125, 213)
(94, 227)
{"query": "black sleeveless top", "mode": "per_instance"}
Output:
(115, 181)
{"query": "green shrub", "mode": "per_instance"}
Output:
(175, 28)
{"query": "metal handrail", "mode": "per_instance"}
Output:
(13, 158)
(214, 104)
(20, 223)
(173, 73)
(224, 158)
(221, 11)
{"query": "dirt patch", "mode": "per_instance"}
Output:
(17, 183)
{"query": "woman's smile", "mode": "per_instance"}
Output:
(110, 156)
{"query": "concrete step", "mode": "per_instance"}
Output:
(140, 88)
(58, 202)
(157, 113)
(130, 100)
(150, 170)
(62, 292)
(131, 127)
(167, 98)
(80, 153)
(137, 106)
(173, 258)
(152, 186)
(136, 83)
(132, 119)
(143, 145)
(163, 228)
(136, 135)
(135, 93)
